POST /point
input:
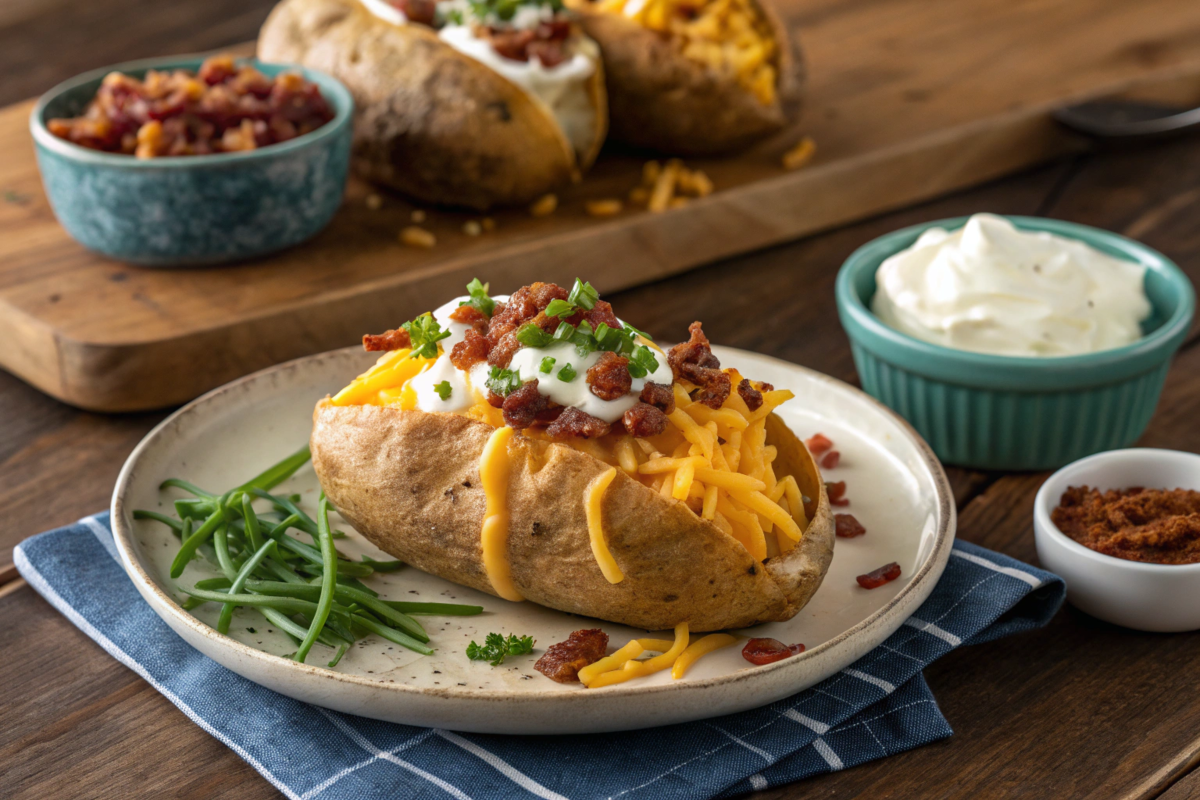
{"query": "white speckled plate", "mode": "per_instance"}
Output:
(897, 488)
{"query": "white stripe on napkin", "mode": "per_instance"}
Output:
(820, 728)
(332, 779)
(992, 565)
(934, 630)
(39, 583)
(827, 753)
(871, 679)
(770, 759)
(103, 534)
(503, 767)
(365, 744)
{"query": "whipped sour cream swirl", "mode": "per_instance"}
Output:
(469, 388)
(991, 288)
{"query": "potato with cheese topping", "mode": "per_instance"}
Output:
(538, 448)
(695, 77)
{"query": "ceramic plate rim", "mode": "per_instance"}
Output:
(122, 536)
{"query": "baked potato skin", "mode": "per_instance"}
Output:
(409, 482)
(429, 121)
(660, 100)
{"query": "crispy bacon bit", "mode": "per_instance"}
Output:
(502, 351)
(525, 305)
(831, 459)
(644, 420)
(694, 361)
(545, 42)
(470, 351)
(659, 396)
(495, 400)
(470, 315)
(561, 662)
(750, 394)
(573, 422)
(602, 312)
(837, 493)
(396, 339)
(714, 393)
(521, 407)
(422, 12)
(609, 377)
(876, 578)
(818, 444)
(847, 526)
(768, 651)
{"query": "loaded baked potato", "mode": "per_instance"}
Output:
(694, 77)
(536, 447)
(467, 102)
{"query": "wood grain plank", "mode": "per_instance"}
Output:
(1188, 788)
(104, 336)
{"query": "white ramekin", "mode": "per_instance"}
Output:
(1148, 597)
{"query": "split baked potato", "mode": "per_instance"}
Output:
(614, 481)
(695, 77)
(440, 114)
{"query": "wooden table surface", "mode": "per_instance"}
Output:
(1079, 709)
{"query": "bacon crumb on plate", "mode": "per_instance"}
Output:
(847, 526)
(837, 493)
(561, 662)
(831, 459)
(818, 444)
(876, 578)
(768, 651)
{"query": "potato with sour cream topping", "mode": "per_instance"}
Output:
(990, 287)
(535, 446)
(473, 103)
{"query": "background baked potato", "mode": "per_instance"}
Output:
(430, 121)
(661, 99)
(409, 482)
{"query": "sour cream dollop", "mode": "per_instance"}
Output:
(468, 388)
(991, 288)
(563, 88)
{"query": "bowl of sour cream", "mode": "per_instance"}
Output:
(1014, 342)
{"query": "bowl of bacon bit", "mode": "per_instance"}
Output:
(1123, 529)
(183, 161)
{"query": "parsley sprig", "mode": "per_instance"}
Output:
(503, 381)
(479, 297)
(496, 648)
(425, 333)
(443, 389)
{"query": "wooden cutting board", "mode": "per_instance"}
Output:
(907, 99)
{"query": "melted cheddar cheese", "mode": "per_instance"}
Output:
(493, 474)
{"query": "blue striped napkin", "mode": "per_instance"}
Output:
(878, 706)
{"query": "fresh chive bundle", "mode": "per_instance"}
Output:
(310, 592)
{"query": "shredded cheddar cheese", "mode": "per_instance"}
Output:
(729, 36)
(632, 650)
(493, 474)
(668, 651)
(592, 505)
(701, 647)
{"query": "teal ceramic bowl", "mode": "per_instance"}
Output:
(1016, 413)
(192, 210)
